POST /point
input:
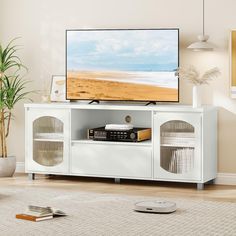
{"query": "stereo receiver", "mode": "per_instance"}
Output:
(131, 135)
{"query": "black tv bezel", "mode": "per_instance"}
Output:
(114, 100)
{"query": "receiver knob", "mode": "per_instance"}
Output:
(132, 136)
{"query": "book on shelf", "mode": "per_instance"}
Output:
(37, 213)
(181, 161)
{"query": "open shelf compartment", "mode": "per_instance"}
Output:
(82, 120)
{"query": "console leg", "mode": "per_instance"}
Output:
(117, 180)
(48, 175)
(211, 181)
(200, 186)
(31, 176)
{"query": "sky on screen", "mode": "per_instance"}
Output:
(122, 50)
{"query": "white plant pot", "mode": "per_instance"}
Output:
(197, 102)
(7, 166)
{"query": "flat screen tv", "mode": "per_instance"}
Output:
(122, 64)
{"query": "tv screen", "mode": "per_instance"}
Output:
(122, 64)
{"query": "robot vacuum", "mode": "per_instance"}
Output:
(161, 207)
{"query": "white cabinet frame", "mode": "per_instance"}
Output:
(129, 160)
(32, 115)
(196, 121)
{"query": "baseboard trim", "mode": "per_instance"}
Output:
(226, 178)
(20, 167)
(221, 178)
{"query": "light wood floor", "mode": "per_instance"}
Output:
(129, 187)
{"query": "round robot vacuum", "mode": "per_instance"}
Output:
(162, 207)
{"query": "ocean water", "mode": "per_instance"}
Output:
(160, 79)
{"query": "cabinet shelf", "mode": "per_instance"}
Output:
(177, 145)
(53, 135)
(178, 141)
(88, 141)
(48, 140)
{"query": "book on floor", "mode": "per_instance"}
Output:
(38, 213)
(44, 211)
(33, 218)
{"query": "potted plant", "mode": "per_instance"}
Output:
(12, 90)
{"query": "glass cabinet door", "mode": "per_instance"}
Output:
(177, 146)
(49, 140)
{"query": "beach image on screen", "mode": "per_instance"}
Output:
(135, 65)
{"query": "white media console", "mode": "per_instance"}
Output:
(183, 147)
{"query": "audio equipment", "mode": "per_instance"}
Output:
(131, 135)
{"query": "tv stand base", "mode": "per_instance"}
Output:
(117, 180)
(31, 176)
(200, 186)
(153, 160)
(151, 102)
(97, 101)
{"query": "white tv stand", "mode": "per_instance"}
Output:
(183, 147)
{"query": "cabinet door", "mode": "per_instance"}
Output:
(177, 146)
(48, 140)
(111, 160)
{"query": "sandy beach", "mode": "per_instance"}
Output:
(84, 85)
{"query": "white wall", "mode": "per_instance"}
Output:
(42, 24)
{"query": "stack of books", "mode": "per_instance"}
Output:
(181, 161)
(37, 213)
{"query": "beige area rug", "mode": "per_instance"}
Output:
(107, 214)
